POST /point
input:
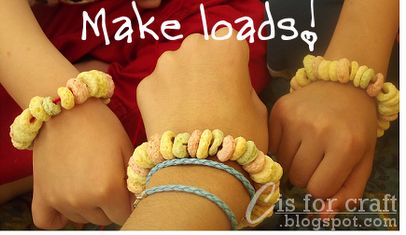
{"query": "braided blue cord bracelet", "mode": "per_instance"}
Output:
(204, 162)
(197, 191)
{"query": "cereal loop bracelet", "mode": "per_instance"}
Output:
(78, 90)
(345, 71)
(199, 145)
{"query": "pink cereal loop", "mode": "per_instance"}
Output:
(376, 87)
(137, 169)
(193, 142)
(257, 165)
(390, 118)
(227, 149)
(153, 149)
(79, 90)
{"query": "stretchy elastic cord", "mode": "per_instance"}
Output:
(203, 162)
(196, 191)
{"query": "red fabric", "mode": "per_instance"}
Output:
(129, 62)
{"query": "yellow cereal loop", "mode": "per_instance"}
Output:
(366, 78)
(392, 101)
(265, 175)
(27, 122)
(358, 75)
(204, 143)
(388, 92)
(37, 110)
(277, 172)
(67, 98)
(384, 125)
(136, 177)
(218, 137)
(166, 145)
(379, 132)
(50, 107)
(316, 63)
(24, 129)
(354, 69)
(240, 148)
(388, 110)
(249, 155)
(179, 148)
(308, 66)
(21, 146)
(141, 158)
(294, 84)
(134, 187)
(301, 77)
(323, 70)
(98, 83)
(343, 70)
(332, 71)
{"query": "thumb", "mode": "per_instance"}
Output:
(45, 217)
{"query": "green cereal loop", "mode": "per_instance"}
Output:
(179, 148)
(204, 143)
(240, 148)
(166, 145)
(354, 69)
(332, 71)
(308, 66)
(367, 76)
(358, 76)
(50, 107)
(218, 137)
(249, 155)
(388, 92)
(141, 158)
(37, 110)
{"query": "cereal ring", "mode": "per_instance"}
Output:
(37, 109)
(204, 143)
(323, 70)
(354, 69)
(301, 77)
(137, 169)
(389, 118)
(374, 89)
(388, 110)
(272, 172)
(179, 148)
(166, 145)
(99, 84)
(249, 155)
(257, 165)
(193, 142)
(27, 122)
(22, 146)
(240, 148)
(217, 140)
(308, 66)
(140, 157)
(134, 187)
(67, 98)
(259, 211)
(332, 71)
(392, 101)
(358, 75)
(79, 90)
(50, 107)
(136, 177)
(153, 149)
(366, 78)
(227, 149)
(379, 132)
(388, 92)
(276, 172)
(316, 63)
(20, 135)
(384, 125)
(294, 84)
(343, 70)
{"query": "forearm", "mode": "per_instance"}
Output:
(365, 32)
(29, 64)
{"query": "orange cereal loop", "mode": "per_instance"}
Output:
(79, 90)
(257, 165)
(375, 88)
(316, 63)
(153, 149)
(193, 142)
(343, 70)
(389, 118)
(227, 150)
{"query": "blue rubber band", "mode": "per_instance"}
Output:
(199, 192)
(204, 162)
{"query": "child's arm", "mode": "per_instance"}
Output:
(79, 156)
(204, 84)
(325, 133)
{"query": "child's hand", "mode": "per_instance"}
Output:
(204, 84)
(324, 136)
(79, 162)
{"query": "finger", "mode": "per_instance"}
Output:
(353, 188)
(333, 170)
(275, 132)
(288, 147)
(44, 216)
(96, 216)
(119, 209)
(305, 162)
